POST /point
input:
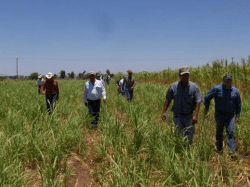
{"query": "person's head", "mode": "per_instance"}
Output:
(92, 75)
(121, 77)
(227, 80)
(184, 74)
(130, 73)
(98, 76)
(49, 76)
(40, 76)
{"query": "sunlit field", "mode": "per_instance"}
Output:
(132, 146)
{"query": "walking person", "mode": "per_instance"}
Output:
(187, 99)
(50, 85)
(93, 90)
(39, 82)
(98, 77)
(121, 85)
(227, 110)
(129, 83)
(117, 85)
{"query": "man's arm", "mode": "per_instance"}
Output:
(210, 95)
(196, 111)
(238, 107)
(42, 88)
(166, 105)
(85, 93)
(133, 84)
(103, 94)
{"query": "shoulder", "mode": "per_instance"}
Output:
(235, 89)
(175, 84)
(98, 82)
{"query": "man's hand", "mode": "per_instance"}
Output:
(163, 116)
(237, 120)
(104, 100)
(194, 120)
(86, 104)
(132, 88)
(42, 93)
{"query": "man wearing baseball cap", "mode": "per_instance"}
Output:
(93, 90)
(227, 106)
(187, 99)
(129, 83)
(52, 91)
(39, 82)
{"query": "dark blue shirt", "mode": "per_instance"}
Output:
(226, 100)
(185, 98)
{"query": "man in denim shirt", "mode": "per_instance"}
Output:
(187, 99)
(227, 104)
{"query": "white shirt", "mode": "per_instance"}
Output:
(40, 81)
(94, 91)
(103, 82)
(120, 84)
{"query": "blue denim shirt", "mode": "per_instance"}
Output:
(226, 100)
(185, 98)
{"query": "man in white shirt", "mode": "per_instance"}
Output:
(39, 82)
(93, 90)
(98, 77)
(120, 85)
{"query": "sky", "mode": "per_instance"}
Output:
(141, 35)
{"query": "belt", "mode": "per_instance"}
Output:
(185, 114)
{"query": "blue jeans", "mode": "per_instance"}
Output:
(51, 102)
(39, 87)
(129, 94)
(94, 110)
(184, 127)
(226, 120)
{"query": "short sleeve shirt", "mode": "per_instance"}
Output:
(185, 98)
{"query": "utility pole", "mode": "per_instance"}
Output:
(16, 67)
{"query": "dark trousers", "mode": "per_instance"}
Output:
(94, 110)
(225, 120)
(39, 87)
(51, 102)
(129, 94)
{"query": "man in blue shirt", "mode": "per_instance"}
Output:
(227, 105)
(187, 99)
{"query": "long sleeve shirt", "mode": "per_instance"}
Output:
(94, 91)
(51, 87)
(226, 100)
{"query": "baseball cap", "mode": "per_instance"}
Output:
(227, 76)
(91, 73)
(183, 70)
(98, 74)
(49, 75)
(130, 71)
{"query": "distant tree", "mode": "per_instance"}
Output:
(62, 74)
(72, 75)
(108, 72)
(80, 75)
(55, 75)
(34, 76)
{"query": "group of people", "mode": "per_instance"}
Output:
(125, 85)
(187, 99)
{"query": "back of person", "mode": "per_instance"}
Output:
(129, 82)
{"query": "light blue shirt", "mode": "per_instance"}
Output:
(94, 91)
(185, 98)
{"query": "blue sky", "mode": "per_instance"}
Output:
(142, 35)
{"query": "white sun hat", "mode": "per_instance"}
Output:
(49, 75)
(40, 76)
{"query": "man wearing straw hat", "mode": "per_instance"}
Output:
(187, 99)
(39, 82)
(52, 92)
(227, 106)
(129, 83)
(93, 90)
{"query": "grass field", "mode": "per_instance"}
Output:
(132, 145)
